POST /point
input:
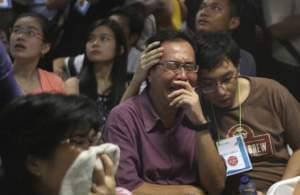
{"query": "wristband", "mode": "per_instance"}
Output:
(198, 128)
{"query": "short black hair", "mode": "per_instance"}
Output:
(35, 125)
(215, 47)
(172, 35)
(135, 13)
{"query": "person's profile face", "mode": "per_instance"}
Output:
(101, 45)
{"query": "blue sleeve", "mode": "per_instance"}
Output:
(8, 86)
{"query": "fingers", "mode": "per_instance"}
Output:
(180, 98)
(178, 92)
(107, 164)
(99, 173)
(152, 46)
(151, 58)
(151, 55)
(183, 84)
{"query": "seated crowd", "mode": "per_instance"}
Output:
(141, 109)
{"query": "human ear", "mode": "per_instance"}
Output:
(234, 23)
(34, 166)
(45, 48)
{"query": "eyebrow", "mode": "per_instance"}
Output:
(185, 62)
(30, 27)
(101, 34)
(212, 79)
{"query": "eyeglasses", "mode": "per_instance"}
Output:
(214, 7)
(212, 86)
(30, 33)
(83, 141)
(176, 66)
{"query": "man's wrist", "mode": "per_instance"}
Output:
(196, 127)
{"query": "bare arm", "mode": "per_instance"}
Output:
(280, 19)
(210, 165)
(72, 86)
(149, 58)
(155, 189)
(293, 168)
(59, 66)
(288, 28)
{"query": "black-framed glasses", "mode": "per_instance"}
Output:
(28, 32)
(176, 66)
(212, 86)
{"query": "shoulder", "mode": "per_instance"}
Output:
(269, 89)
(266, 83)
(130, 106)
(124, 120)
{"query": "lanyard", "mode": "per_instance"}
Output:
(215, 128)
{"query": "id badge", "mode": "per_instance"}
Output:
(235, 154)
(5, 4)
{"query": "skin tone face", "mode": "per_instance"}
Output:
(101, 45)
(52, 170)
(26, 40)
(224, 78)
(162, 80)
(215, 16)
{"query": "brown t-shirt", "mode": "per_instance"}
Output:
(270, 120)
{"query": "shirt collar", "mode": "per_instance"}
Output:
(150, 116)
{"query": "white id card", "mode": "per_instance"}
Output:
(5, 4)
(235, 154)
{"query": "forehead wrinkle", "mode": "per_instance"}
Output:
(174, 51)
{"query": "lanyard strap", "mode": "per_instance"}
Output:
(214, 118)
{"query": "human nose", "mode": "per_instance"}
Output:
(203, 10)
(220, 88)
(20, 34)
(181, 74)
(95, 41)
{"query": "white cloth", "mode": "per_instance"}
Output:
(284, 187)
(78, 178)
